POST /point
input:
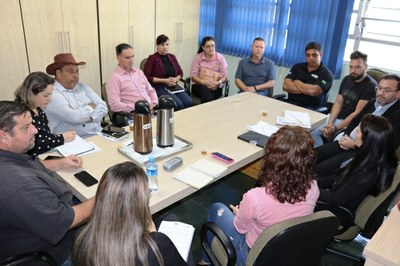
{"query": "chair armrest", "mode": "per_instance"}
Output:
(339, 211)
(227, 244)
(322, 109)
(279, 96)
(116, 118)
(28, 257)
(227, 87)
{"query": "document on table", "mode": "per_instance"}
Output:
(181, 234)
(263, 128)
(200, 173)
(76, 147)
(294, 118)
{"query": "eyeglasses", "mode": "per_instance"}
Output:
(385, 90)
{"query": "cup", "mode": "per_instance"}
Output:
(131, 127)
(203, 151)
(264, 112)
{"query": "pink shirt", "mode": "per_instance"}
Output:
(125, 88)
(259, 210)
(216, 63)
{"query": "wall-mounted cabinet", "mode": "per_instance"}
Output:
(13, 63)
(125, 21)
(34, 31)
(62, 26)
(180, 22)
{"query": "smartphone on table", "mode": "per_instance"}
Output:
(222, 157)
(111, 129)
(86, 178)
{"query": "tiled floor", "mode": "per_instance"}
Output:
(193, 209)
(229, 190)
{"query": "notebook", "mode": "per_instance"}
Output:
(200, 173)
(181, 234)
(261, 140)
(76, 147)
(175, 89)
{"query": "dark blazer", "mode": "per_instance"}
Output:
(154, 67)
(392, 114)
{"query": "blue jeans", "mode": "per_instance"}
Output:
(316, 134)
(182, 99)
(222, 216)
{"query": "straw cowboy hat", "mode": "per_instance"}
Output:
(61, 60)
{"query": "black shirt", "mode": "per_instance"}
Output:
(321, 77)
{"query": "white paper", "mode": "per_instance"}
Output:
(200, 173)
(263, 128)
(76, 147)
(294, 118)
(181, 234)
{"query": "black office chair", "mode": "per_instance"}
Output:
(118, 119)
(28, 258)
(298, 241)
(366, 220)
(196, 100)
(322, 109)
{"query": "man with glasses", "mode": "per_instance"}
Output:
(356, 89)
(331, 155)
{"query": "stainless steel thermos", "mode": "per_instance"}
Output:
(142, 136)
(165, 121)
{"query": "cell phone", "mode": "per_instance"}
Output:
(222, 157)
(111, 129)
(86, 178)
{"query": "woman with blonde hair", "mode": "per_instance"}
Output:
(120, 230)
(288, 190)
(36, 92)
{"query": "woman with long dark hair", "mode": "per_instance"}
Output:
(209, 71)
(370, 171)
(288, 190)
(121, 230)
(162, 70)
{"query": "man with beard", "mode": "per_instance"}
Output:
(355, 91)
(331, 156)
(308, 83)
(74, 105)
(256, 73)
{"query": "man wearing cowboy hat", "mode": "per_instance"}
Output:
(74, 105)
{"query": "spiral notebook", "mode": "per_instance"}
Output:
(200, 173)
(181, 234)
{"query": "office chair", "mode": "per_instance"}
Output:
(183, 82)
(196, 100)
(27, 258)
(298, 241)
(365, 221)
(118, 119)
(376, 73)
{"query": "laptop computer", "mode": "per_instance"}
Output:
(260, 139)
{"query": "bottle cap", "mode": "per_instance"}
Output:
(151, 159)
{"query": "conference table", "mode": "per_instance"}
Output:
(214, 126)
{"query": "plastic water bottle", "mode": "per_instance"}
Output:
(152, 173)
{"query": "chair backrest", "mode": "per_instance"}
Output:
(116, 120)
(33, 258)
(371, 212)
(298, 241)
(376, 74)
(142, 64)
